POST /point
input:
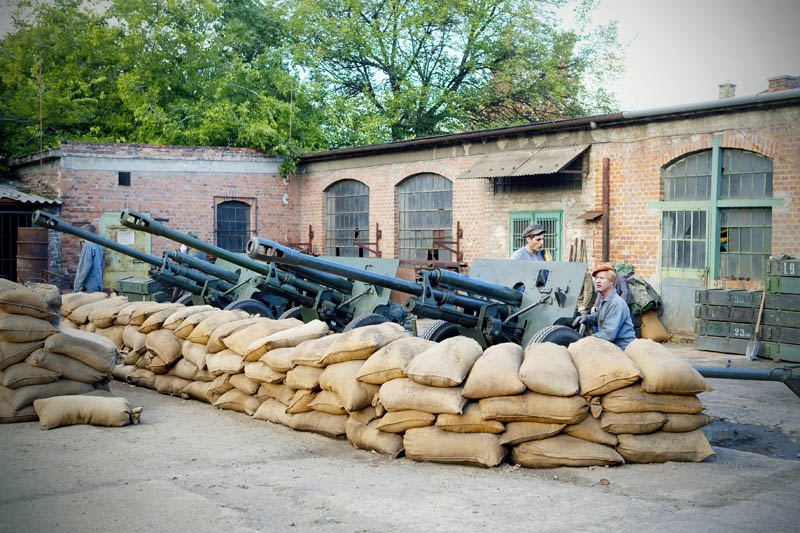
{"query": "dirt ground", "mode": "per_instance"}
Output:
(189, 466)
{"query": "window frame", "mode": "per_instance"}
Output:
(552, 240)
(335, 235)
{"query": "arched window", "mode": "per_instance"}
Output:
(346, 218)
(425, 211)
(233, 225)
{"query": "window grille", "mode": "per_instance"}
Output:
(233, 225)
(346, 218)
(425, 211)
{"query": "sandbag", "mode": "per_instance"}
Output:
(495, 373)
(24, 396)
(365, 415)
(179, 314)
(445, 365)
(203, 330)
(156, 320)
(564, 450)
(262, 372)
(400, 421)
(470, 421)
(121, 372)
(104, 316)
(273, 411)
(24, 328)
(435, 445)
(279, 359)
(241, 339)
(368, 437)
(165, 345)
(8, 415)
(25, 301)
(71, 301)
(661, 447)
(402, 393)
(301, 401)
(652, 328)
(134, 340)
(94, 350)
(390, 362)
(124, 315)
(170, 385)
(142, 377)
(114, 334)
(302, 377)
(534, 407)
(236, 400)
(24, 374)
(94, 410)
(52, 297)
(664, 372)
(195, 353)
(187, 325)
(602, 366)
(329, 402)
(185, 369)
(143, 311)
(12, 353)
(632, 399)
(215, 340)
(341, 379)
(208, 392)
(310, 352)
(287, 338)
(634, 423)
(682, 423)
(360, 343)
(157, 365)
(81, 314)
(589, 429)
(518, 432)
(548, 369)
(65, 366)
(224, 362)
(244, 384)
(277, 391)
(322, 423)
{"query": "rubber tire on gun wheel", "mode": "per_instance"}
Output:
(441, 330)
(293, 312)
(561, 335)
(369, 319)
(254, 307)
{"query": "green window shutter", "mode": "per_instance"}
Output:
(550, 220)
(518, 223)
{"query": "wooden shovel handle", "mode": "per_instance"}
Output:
(760, 311)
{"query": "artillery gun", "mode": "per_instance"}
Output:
(501, 301)
(291, 292)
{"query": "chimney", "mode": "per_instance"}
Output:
(783, 83)
(727, 90)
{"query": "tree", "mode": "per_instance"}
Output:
(414, 68)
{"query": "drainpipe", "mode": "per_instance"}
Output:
(606, 207)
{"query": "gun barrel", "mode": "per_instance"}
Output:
(203, 266)
(455, 280)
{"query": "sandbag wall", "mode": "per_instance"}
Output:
(39, 358)
(451, 401)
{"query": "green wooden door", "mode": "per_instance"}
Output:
(117, 266)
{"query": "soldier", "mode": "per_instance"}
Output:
(89, 277)
(534, 245)
(612, 318)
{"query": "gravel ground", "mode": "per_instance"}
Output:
(189, 466)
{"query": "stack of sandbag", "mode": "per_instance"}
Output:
(315, 386)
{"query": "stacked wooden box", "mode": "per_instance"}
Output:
(725, 319)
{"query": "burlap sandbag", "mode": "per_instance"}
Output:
(143, 311)
(518, 432)
(72, 301)
(9, 416)
(208, 392)
(194, 352)
(114, 334)
(66, 323)
(104, 316)
(664, 372)
(261, 372)
(634, 423)
(322, 423)
(241, 339)
(682, 423)
(156, 320)
(329, 402)
(470, 421)
(495, 373)
(390, 362)
(279, 359)
(206, 327)
(400, 421)
(184, 369)
(368, 437)
(534, 407)
(225, 362)
(24, 396)
(142, 377)
(564, 450)
(244, 384)
(180, 313)
(402, 393)
(652, 328)
(236, 400)
(301, 402)
(365, 415)
(602, 366)
(133, 340)
(187, 325)
(310, 352)
(81, 314)
(164, 344)
(121, 372)
(271, 410)
(303, 377)
(144, 359)
(24, 328)
(65, 366)
(633, 400)
(341, 379)
(12, 353)
(548, 369)
(661, 447)
(215, 340)
(124, 314)
(277, 391)
(287, 338)
(170, 385)
(92, 349)
(93, 410)
(590, 429)
(433, 444)
(25, 301)
(52, 297)
(445, 365)
(24, 374)
(360, 343)
(157, 365)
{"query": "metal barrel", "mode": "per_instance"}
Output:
(46, 220)
(32, 254)
(273, 252)
(784, 375)
(203, 266)
(455, 280)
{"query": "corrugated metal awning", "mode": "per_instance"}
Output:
(10, 193)
(546, 160)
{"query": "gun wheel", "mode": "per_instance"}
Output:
(293, 312)
(441, 330)
(561, 335)
(254, 307)
(369, 319)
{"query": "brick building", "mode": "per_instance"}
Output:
(692, 196)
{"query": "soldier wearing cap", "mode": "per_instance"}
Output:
(534, 245)
(613, 317)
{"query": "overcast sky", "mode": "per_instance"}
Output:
(679, 51)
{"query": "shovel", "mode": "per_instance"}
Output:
(753, 346)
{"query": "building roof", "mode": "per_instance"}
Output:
(8, 192)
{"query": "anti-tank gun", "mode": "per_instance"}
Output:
(501, 300)
(289, 292)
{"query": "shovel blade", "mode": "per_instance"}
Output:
(753, 347)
